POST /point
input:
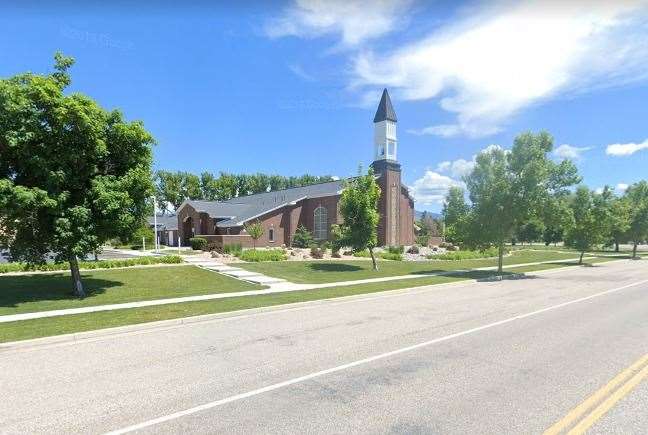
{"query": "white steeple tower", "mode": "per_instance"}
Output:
(385, 142)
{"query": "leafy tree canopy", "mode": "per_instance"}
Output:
(72, 175)
(359, 210)
(506, 188)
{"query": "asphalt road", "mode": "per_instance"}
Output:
(483, 358)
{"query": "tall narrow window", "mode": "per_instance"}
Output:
(271, 234)
(320, 223)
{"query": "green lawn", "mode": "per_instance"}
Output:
(42, 292)
(332, 271)
(27, 329)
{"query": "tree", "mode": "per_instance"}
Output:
(208, 186)
(619, 222)
(255, 230)
(302, 238)
(359, 210)
(454, 206)
(530, 231)
(637, 197)
(169, 189)
(556, 216)
(506, 188)
(72, 175)
(590, 225)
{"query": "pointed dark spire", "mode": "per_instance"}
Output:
(385, 109)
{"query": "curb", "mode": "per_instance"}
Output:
(173, 323)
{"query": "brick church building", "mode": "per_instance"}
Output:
(315, 206)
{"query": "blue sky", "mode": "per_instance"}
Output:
(291, 87)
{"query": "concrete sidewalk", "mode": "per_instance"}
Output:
(277, 288)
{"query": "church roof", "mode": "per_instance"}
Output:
(385, 109)
(236, 211)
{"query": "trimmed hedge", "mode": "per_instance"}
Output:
(254, 255)
(102, 264)
(466, 255)
(198, 243)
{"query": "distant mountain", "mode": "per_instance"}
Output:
(419, 214)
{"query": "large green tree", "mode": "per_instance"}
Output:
(72, 175)
(506, 188)
(619, 222)
(359, 210)
(591, 220)
(455, 211)
(637, 197)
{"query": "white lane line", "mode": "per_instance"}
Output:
(339, 368)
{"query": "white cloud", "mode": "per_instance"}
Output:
(625, 149)
(457, 168)
(432, 188)
(599, 190)
(621, 187)
(462, 167)
(355, 20)
(570, 152)
(299, 72)
(501, 59)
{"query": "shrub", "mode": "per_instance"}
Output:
(413, 249)
(198, 243)
(213, 246)
(233, 249)
(254, 255)
(384, 255)
(102, 264)
(395, 249)
(422, 239)
(466, 255)
(317, 252)
(302, 238)
(394, 256)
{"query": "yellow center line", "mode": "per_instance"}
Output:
(604, 407)
(595, 398)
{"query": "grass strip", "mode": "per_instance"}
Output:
(44, 292)
(28, 329)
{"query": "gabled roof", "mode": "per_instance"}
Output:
(236, 211)
(385, 109)
(164, 222)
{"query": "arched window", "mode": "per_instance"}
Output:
(320, 223)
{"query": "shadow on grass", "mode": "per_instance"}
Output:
(479, 275)
(15, 290)
(334, 267)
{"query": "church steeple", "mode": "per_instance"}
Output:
(385, 109)
(385, 142)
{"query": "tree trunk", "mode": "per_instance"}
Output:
(500, 259)
(634, 250)
(373, 259)
(580, 261)
(616, 246)
(76, 277)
